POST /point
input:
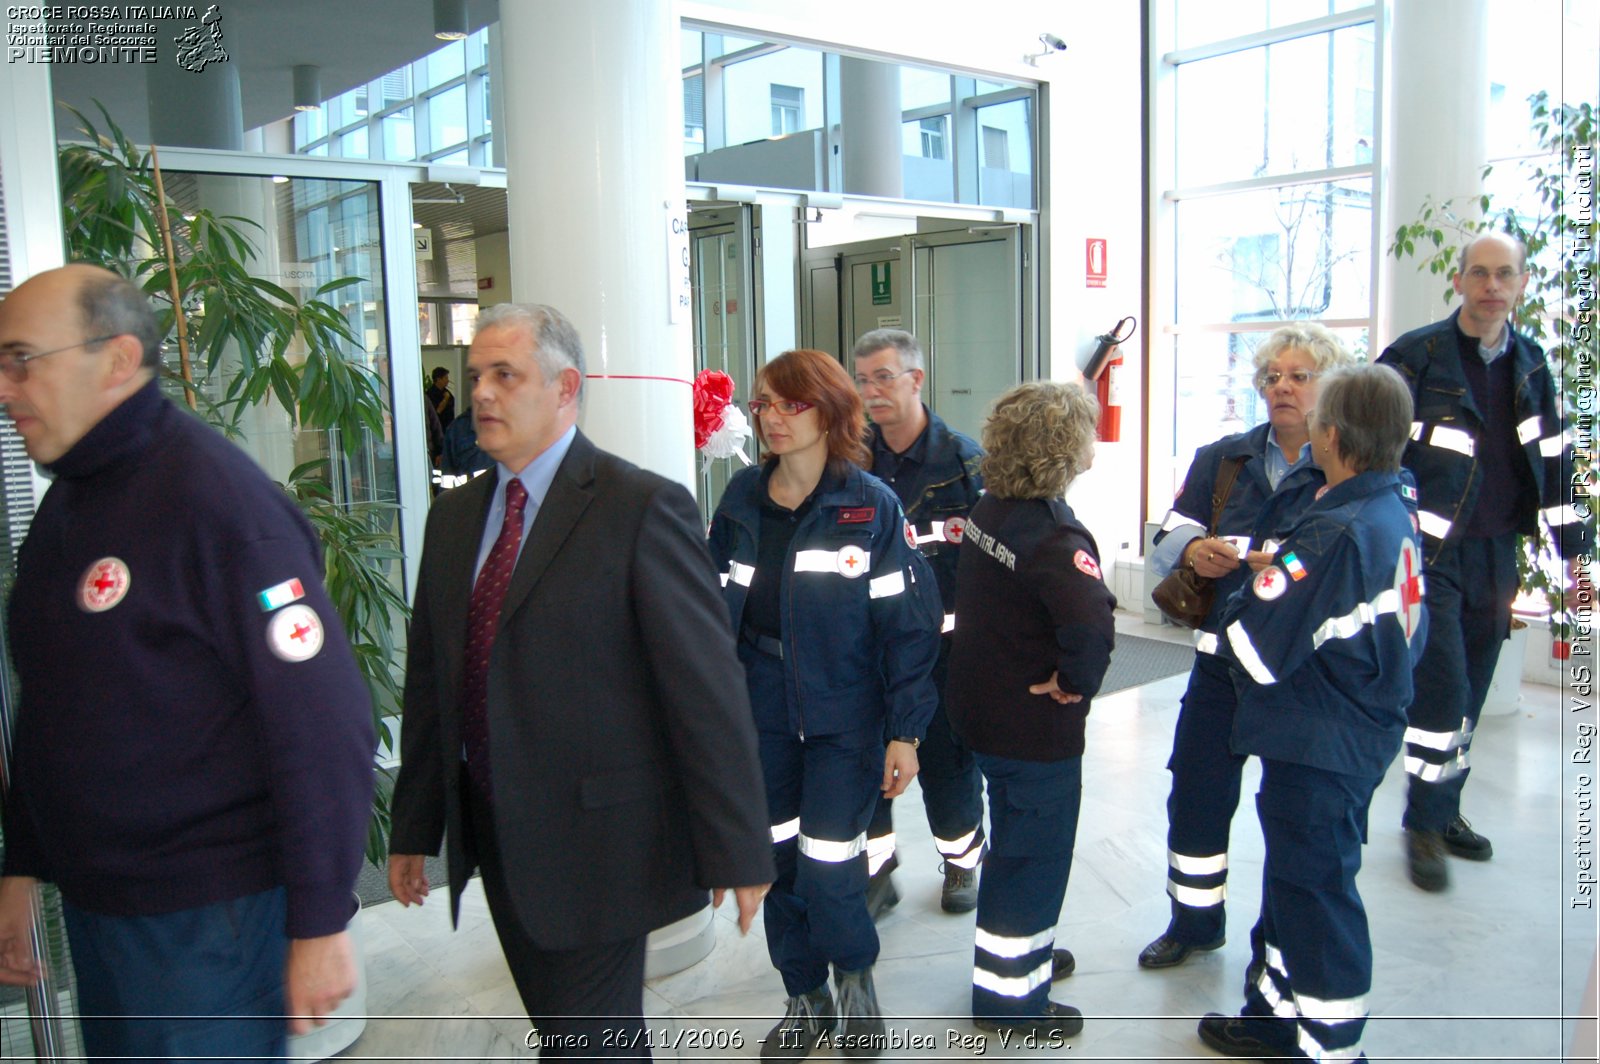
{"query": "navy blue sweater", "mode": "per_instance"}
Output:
(179, 741)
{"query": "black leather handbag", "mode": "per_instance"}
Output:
(1183, 594)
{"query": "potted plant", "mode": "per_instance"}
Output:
(244, 342)
(1560, 242)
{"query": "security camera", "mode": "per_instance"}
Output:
(1050, 40)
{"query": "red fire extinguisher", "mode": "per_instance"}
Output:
(1103, 368)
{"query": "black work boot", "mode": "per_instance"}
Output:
(806, 1020)
(960, 892)
(881, 893)
(1461, 840)
(1425, 857)
(861, 1032)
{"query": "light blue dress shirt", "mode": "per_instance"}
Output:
(536, 477)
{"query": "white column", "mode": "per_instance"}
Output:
(869, 100)
(1438, 104)
(193, 109)
(594, 100)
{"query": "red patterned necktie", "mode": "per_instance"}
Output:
(483, 618)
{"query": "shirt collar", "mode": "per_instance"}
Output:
(1489, 354)
(538, 474)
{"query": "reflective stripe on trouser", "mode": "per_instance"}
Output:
(1205, 793)
(1468, 595)
(816, 913)
(1033, 817)
(1315, 945)
(952, 787)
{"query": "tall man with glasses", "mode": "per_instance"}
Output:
(1491, 461)
(934, 471)
(193, 758)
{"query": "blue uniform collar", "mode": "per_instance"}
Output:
(124, 432)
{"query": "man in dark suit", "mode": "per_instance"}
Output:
(575, 714)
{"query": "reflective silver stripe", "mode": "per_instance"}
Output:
(1313, 1049)
(1428, 772)
(884, 586)
(1196, 897)
(1458, 440)
(934, 534)
(1442, 741)
(832, 852)
(949, 623)
(1177, 520)
(967, 860)
(1552, 446)
(785, 831)
(1275, 1000)
(1275, 961)
(1205, 642)
(1017, 986)
(1433, 524)
(1331, 1010)
(1245, 651)
(1416, 430)
(739, 573)
(956, 847)
(1357, 619)
(1013, 946)
(1529, 429)
(816, 561)
(879, 850)
(1558, 516)
(1197, 866)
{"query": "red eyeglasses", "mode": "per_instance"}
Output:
(786, 407)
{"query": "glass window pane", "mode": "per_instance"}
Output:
(750, 87)
(478, 48)
(1304, 104)
(1527, 28)
(399, 136)
(1005, 162)
(455, 158)
(1214, 384)
(310, 126)
(448, 62)
(488, 105)
(926, 163)
(447, 118)
(690, 43)
(349, 107)
(694, 115)
(1204, 21)
(1301, 251)
(923, 88)
(353, 145)
(463, 321)
(728, 45)
(395, 87)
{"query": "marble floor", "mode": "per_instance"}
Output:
(1484, 972)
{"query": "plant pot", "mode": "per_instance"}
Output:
(347, 1022)
(1505, 690)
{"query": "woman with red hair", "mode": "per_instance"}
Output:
(838, 620)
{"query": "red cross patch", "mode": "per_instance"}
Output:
(104, 584)
(1408, 581)
(295, 633)
(954, 529)
(852, 561)
(1086, 563)
(911, 535)
(1270, 583)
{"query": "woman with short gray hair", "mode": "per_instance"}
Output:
(1322, 643)
(1273, 479)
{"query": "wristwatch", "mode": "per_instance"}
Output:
(906, 739)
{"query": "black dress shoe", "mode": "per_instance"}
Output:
(1062, 964)
(1166, 951)
(1461, 840)
(1058, 1021)
(881, 893)
(1233, 1036)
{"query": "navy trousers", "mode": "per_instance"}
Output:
(1033, 821)
(952, 792)
(1315, 953)
(1205, 794)
(820, 794)
(201, 983)
(1468, 592)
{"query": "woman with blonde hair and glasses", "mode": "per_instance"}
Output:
(1274, 480)
(1032, 647)
(838, 621)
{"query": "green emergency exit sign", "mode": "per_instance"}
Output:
(880, 283)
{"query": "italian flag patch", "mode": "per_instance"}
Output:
(280, 595)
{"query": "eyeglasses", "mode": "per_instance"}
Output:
(1505, 274)
(786, 407)
(1299, 377)
(15, 366)
(883, 378)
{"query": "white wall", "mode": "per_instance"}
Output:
(1091, 152)
(494, 261)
